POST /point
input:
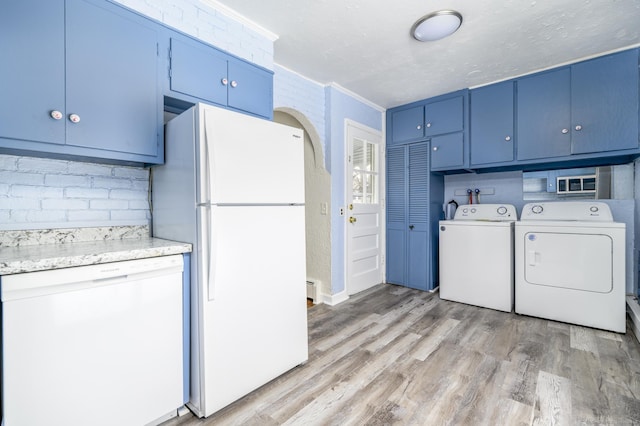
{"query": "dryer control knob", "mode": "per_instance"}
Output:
(465, 210)
(473, 210)
(502, 210)
(593, 208)
(537, 209)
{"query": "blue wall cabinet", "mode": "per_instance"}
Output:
(85, 84)
(604, 102)
(445, 116)
(420, 120)
(204, 72)
(492, 117)
(411, 257)
(589, 107)
(544, 115)
(447, 152)
(408, 125)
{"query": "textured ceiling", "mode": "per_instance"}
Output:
(365, 45)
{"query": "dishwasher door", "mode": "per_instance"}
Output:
(93, 345)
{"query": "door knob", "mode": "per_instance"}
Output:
(352, 219)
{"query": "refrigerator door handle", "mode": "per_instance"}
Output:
(212, 255)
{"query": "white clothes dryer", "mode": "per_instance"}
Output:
(570, 264)
(476, 256)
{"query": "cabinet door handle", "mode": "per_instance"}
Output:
(508, 138)
(234, 83)
(428, 124)
(55, 114)
(435, 148)
(565, 131)
(74, 118)
(411, 227)
(419, 127)
(578, 127)
(224, 81)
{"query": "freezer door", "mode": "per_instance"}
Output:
(246, 160)
(254, 318)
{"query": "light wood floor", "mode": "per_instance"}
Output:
(394, 356)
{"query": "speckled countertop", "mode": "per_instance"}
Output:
(66, 248)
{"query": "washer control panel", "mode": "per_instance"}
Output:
(586, 211)
(489, 212)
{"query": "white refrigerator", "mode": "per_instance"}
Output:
(233, 186)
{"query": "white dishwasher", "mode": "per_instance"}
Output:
(93, 345)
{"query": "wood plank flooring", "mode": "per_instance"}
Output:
(396, 356)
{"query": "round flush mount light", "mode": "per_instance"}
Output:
(436, 25)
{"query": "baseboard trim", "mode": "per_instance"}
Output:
(334, 299)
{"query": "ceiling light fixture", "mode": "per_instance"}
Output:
(436, 25)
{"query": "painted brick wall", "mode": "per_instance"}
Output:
(291, 90)
(209, 25)
(38, 193)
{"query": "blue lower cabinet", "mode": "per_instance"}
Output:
(84, 82)
(410, 216)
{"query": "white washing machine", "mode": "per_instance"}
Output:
(570, 264)
(476, 256)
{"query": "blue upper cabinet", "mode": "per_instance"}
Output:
(445, 116)
(443, 120)
(200, 71)
(604, 102)
(544, 115)
(32, 80)
(408, 125)
(587, 110)
(83, 82)
(492, 124)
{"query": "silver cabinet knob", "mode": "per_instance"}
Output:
(224, 81)
(234, 83)
(55, 114)
(435, 148)
(419, 127)
(508, 138)
(578, 127)
(428, 124)
(565, 131)
(74, 118)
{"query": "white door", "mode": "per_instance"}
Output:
(363, 214)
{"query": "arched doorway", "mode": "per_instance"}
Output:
(317, 202)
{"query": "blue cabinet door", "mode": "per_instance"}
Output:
(418, 260)
(408, 229)
(198, 70)
(407, 125)
(447, 151)
(250, 88)
(112, 80)
(604, 99)
(492, 124)
(445, 116)
(396, 214)
(32, 71)
(544, 115)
